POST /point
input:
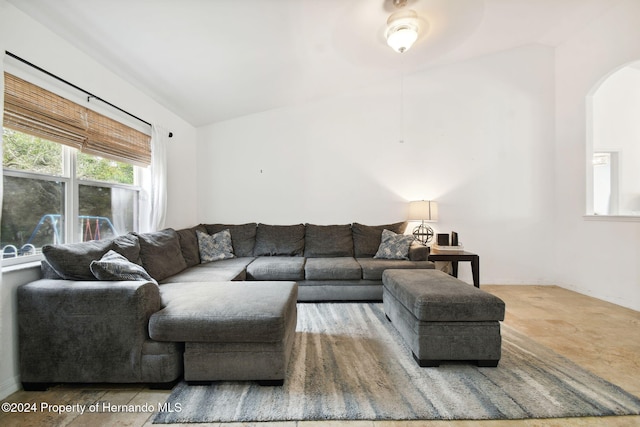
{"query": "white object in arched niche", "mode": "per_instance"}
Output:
(613, 144)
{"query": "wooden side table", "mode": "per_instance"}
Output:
(474, 259)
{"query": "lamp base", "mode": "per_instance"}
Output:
(423, 234)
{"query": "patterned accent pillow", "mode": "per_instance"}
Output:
(215, 247)
(113, 266)
(394, 246)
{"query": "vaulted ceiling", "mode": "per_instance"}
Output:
(213, 60)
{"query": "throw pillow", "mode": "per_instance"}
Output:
(113, 266)
(214, 247)
(47, 271)
(394, 246)
(72, 261)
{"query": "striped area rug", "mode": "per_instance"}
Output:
(349, 363)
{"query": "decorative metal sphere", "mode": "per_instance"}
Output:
(423, 234)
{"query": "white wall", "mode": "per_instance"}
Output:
(26, 38)
(9, 370)
(596, 257)
(478, 139)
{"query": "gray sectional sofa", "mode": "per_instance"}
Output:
(76, 328)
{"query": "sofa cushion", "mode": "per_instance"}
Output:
(445, 299)
(367, 238)
(227, 312)
(72, 261)
(328, 241)
(189, 244)
(219, 271)
(275, 240)
(372, 268)
(276, 268)
(113, 266)
(394, 246)
(340, 268)
(215, 247)
(160, 253)
(243, 236)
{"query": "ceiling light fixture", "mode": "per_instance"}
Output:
(402, 28)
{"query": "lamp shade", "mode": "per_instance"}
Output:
(423, 210)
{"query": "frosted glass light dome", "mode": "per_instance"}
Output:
(402, 30)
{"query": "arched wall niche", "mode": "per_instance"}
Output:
(613, 144)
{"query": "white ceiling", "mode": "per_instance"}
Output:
(212, 60)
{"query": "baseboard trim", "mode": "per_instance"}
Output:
(9, 386)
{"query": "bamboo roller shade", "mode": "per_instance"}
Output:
(36, 111)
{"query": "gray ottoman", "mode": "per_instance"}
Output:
(442, 318)
(231, 330)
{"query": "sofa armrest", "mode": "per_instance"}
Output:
(418, 252)
(84, 331)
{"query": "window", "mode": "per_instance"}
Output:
(40, 193)
(64, 182)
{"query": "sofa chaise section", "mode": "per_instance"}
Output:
(231, 330)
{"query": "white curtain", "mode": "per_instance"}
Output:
(121, 209)
(154, 183)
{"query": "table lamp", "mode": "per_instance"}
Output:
(425, 211)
